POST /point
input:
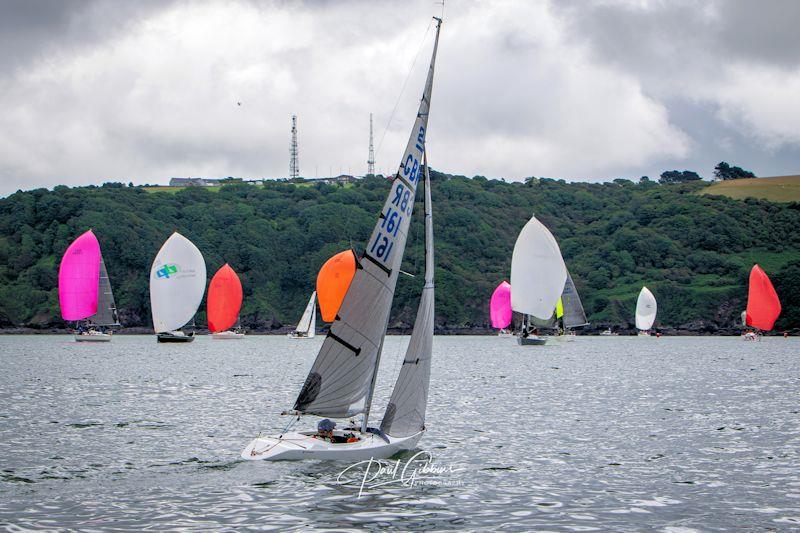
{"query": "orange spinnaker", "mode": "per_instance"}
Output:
(333, 281)
(763, 306)
(224, 299)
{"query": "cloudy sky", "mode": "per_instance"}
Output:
(92, 91)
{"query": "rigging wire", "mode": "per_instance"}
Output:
(403, 88)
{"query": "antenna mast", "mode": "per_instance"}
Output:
(294, 163)
(371, 160)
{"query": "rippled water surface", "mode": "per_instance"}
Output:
(599, 433)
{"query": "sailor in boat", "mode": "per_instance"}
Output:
(325, 432)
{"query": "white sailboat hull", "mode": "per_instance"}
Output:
(296, 446)
(226, 335)
(92, 337)
(296, 335)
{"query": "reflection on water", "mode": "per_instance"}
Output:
(596, 434)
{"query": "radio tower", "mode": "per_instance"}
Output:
(371, 160)
(294, 164)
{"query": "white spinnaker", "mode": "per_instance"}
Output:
(308, 321)
(177, 283)
(645, 309)
(538, 272)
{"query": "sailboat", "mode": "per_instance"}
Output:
(646, 309)
(500, 311)
(84, 290)
(571, 311)
(763, 305)
(224, 304)
(342, 379)
(306, 328)
(177, 285)
(538, 276)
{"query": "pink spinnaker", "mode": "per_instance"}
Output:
(500, 306)
(78, 278)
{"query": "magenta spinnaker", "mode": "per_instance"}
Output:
(500, 306)
(78, 278)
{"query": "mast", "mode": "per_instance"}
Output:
(424, 109)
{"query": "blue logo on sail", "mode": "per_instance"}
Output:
(166, 271)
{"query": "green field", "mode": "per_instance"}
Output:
(776, 189)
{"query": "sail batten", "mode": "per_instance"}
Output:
(363, 316)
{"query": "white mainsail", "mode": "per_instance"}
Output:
(342, 378)
(177, 283)
(538, 272)
(645, 309)
(405, 413)
(308, 322)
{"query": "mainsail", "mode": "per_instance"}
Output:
(79, 278)
(341, 380)
(405, 413)
(106, 308)
(224, 299)
(645, 309)
(308, 322)
(177, 283)
(763, 305)
(538, 272)
(574, 316)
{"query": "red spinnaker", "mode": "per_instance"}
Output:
(224, 299)
(763, 306)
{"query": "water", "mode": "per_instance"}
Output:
(601, 433)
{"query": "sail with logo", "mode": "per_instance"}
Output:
(342, 379)
(84, 290)
(177, 285)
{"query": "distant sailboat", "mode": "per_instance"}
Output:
(224, 304)
(177, 285)
(342, 379)
(84, 290)
(763, 305)
(569, 312)
(538, 276)
(500, 311)
(306, 328)
(646, 309)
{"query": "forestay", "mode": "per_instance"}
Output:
(405, 413)
(538, 272)
(177, 283)
(340, 382)
(574, 315)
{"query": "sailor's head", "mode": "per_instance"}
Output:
(326, 426)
